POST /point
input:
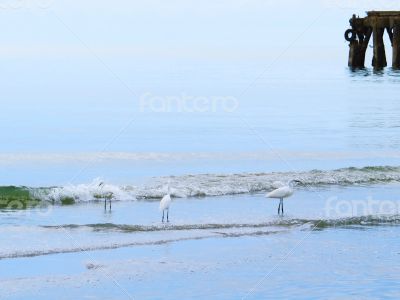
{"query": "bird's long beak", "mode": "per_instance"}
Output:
(296, 181)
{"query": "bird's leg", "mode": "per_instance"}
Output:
(162, 217)
(282, 206)
(167, 215)
(105, 203)
(110, 203)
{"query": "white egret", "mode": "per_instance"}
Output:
(107, 196)
(165, 203)
(283, 191)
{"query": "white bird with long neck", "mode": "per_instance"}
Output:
(283, 191)
(165, 203)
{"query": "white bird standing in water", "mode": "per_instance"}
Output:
(165, 203)
(107, 196)
(282, 191)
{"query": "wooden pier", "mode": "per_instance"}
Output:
(375, 24)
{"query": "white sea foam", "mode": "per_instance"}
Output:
(85, 192)
(218, 184)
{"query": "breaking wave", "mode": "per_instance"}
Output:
(202, 185)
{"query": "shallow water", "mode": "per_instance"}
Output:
(336, 239)
(52, 229)
(297, 264)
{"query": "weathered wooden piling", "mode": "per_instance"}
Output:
(379, 59)
(396, 46)
(374, 24)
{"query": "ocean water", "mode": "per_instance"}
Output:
(294, 105)
(85, 119)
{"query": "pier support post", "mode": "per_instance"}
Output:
(364, 47)
(396, 46)
(379, 60)
(354, 54)
(358, 49)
